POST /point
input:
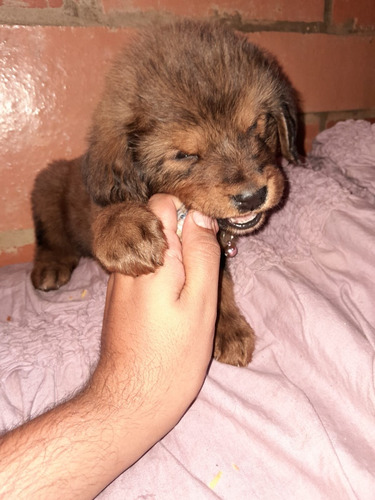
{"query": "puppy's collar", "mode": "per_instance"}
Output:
(228, 243)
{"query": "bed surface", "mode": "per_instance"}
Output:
(299, 421)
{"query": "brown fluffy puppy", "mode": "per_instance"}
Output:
(191, 109)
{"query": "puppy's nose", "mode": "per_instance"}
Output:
(247, 201)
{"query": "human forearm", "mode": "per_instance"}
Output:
(77, 448)
(50, 456)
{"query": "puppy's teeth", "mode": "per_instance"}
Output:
(242, 220)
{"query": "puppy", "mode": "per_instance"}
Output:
(190, 109)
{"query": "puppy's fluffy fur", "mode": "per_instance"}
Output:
(191, 109)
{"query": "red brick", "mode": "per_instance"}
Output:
(271, 10)
(331, 72)
(50, 84)
(312, 129)
(355, 13)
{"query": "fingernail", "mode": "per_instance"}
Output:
(204, 221)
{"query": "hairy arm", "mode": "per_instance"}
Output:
(157, 343)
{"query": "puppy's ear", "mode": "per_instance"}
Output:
(110, 169)
(287, 130)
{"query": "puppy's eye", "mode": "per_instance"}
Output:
(259, 126)
(251, 130)
(185, 156)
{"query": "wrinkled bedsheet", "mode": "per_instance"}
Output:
(299, 421)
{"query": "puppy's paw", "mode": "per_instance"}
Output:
(234, 341)
(129, 238)
(50, 276)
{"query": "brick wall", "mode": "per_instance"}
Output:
(54, 53)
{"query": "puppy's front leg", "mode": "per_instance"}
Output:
(234, 341)
(128, 238)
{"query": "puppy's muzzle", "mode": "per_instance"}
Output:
(248, 201)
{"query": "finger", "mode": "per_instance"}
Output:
(201, 258)
(172, 273)
(165, 207)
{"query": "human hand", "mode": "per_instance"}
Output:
(158, 329)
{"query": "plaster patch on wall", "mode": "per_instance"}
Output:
(10, 241)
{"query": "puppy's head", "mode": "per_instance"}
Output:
(194, 110)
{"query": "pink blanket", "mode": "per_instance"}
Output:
(299, 421)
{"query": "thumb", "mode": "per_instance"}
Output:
(201, 258)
